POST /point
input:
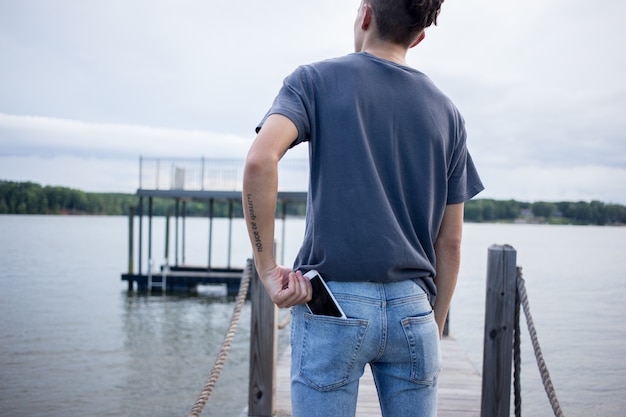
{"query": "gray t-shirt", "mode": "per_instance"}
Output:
(387, 153)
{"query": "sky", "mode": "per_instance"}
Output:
(88, 87)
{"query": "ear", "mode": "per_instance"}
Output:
(368, 14)
(420, 38)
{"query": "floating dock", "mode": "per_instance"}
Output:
(211, 182)
(186, 278)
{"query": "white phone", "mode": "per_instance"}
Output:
(323, 302)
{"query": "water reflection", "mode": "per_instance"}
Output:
(171, 342)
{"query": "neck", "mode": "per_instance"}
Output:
(387, 51)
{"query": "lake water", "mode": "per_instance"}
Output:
(73, 342)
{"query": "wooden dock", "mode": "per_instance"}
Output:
(459, 386)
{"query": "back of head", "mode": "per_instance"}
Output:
(401, 21)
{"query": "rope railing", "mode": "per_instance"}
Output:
(522, 298)
(209, 386)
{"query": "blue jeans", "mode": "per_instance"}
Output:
(392, 327)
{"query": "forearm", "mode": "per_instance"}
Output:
(260, 185)
(448, 261)
(448, 253)
(260, 189)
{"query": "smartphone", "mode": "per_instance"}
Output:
(323, 302)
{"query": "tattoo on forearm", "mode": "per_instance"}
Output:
(255, 232)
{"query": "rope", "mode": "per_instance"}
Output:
(543, 370)
(226, 344)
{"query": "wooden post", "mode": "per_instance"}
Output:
(211, 210)
(176, 215)
(131, 245)
(184, 238)
(499, 324)
(150, 257)
(140, 249)
(230, 232)
(263, 347)
(167, 238)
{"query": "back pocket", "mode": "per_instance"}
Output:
(329, 351)
(422, 335)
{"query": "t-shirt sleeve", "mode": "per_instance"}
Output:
(294, 101)
(466, 184)
(463, 179)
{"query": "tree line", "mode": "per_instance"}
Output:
(32, 198)
(564, 212)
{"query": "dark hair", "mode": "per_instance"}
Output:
(400, 21)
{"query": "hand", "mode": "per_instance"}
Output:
(285, 287)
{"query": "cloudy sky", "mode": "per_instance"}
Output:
(89, 86)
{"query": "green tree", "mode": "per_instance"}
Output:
(581, 212)
(473, 212)
(598, 213)
(543, 209)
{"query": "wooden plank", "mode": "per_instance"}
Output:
(459, 383)
(459, 386)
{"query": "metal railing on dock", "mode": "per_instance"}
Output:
(506, 292)
(203, 174)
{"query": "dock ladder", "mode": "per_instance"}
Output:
(158, 284)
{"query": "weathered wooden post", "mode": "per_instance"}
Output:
(131, 245)
(499, 324)
(263, 348)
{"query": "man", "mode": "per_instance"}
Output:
(389, 174)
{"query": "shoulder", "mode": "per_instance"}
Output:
(313, 76)
(331, 64)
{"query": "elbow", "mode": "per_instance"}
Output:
(451, 230)
(448, 255)
(257, 165)
(258, 161)
(450, 244)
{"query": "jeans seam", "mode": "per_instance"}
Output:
(383, 330)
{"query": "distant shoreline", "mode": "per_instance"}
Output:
(32, 198)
